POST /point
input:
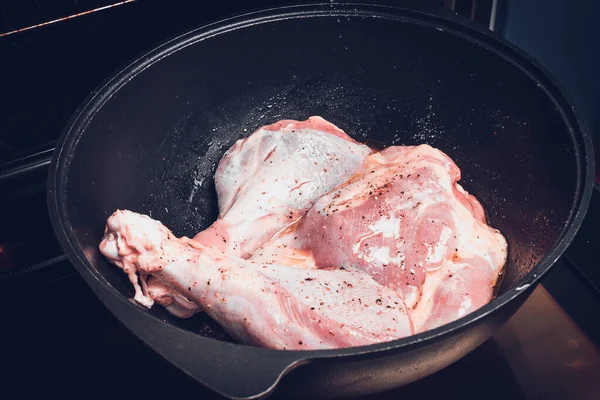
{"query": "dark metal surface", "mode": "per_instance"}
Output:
(99, 168)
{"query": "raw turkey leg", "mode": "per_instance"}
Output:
(272, 306)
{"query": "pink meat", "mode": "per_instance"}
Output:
(273, 306)
(404, 220)
(320, 243)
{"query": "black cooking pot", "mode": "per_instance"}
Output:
(149, 138)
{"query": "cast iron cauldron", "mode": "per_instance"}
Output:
(148, 139)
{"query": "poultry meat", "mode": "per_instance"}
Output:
(266, 305)
(320, 243)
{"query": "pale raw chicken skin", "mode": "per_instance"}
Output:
(404, 220)
(269, 179)
(271, 306)
(175, 303)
